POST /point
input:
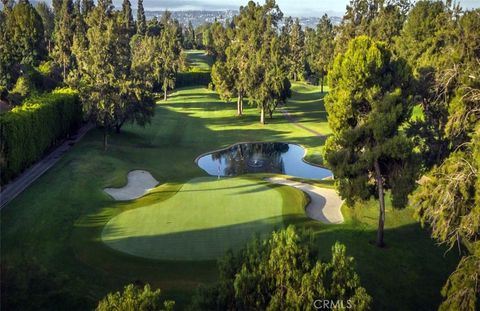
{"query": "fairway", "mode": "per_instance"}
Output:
(204, 219)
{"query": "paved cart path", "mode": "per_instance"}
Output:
(325, 203)
(19, 184)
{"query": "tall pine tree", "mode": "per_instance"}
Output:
(141, 20)
(367, 105)
(127, 17)
(64, 36)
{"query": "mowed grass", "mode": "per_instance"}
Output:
(204, 219)
(58, 221)
(198, 60)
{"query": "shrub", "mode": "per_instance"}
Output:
(135, 298)
(50, 75)
(29, 83)
(28, 131)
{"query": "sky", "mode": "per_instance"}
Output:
(289, 7)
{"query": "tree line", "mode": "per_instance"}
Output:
(392, 59)
(115, 62)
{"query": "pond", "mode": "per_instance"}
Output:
(244, 158)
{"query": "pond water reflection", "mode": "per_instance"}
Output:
(244, 158)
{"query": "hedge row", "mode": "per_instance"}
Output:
(28, 131)
(185, 79)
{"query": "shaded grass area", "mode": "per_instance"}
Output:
(198, 60)
(59, 219)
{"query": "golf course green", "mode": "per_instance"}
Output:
(204, 219)
(67, 225)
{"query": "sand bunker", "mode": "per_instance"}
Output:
(139, 182)
(325, 204)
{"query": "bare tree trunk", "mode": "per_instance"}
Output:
(239, 110)
(241, 102)
(321, 81)
(262, 115)
(105, 140)
(64, 68)
(165, 88)
(381, 198)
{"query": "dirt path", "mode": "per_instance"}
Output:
(15, 187)
(325, 203)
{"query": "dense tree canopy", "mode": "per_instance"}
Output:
(255, 60)
(369, 101)
(282, 273)
(111, 96)
(379, 19)
(22, 41)
(320, 47)
(448, 199)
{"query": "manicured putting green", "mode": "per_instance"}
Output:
(204, 219)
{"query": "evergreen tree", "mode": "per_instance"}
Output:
(25, 32)
(378, 19)
(297, 50)
(321, 46)
(146, 65)
(48, 19)
(111, 96)
(6, 60)
(80, 42)
(220, 40)
(64, 37)
(189, 42)
(207, 40)
(170, 54)
(256, 52)
(271, 274)
(449, 197)
(141, 20)
(367, 104)
(57, 8)
(387, 25)
(22, 42)
(427, 43)
(127, 17)
(87, 7)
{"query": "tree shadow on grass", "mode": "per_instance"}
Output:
(406, 275)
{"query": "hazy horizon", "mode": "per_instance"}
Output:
(304, 8)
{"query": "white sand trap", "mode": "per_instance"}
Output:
(138, 183)
(325, 203)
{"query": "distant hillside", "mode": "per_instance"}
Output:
(200, 17)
